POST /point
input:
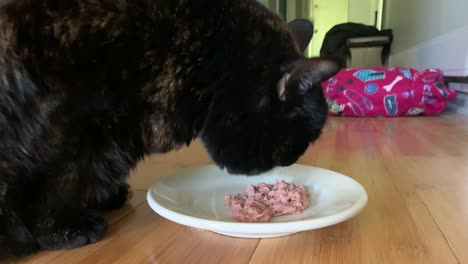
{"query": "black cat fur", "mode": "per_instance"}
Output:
(89, 87)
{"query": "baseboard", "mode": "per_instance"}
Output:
(448, 52)
(459, 105)
(462, 111)
(459, 87)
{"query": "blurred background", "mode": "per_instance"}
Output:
(327, 13)
(419, 34)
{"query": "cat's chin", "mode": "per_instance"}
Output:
(254, 172)
(247, 172)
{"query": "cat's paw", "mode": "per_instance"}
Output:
(70, 230)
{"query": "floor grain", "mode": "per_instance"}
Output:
(415, 171)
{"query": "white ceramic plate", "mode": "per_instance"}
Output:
(195, 197)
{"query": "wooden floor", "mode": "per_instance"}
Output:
(415, 171)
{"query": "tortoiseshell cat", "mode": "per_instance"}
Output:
(89, 87)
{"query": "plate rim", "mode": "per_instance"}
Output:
(257, 228)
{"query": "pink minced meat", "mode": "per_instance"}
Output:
(262, 202)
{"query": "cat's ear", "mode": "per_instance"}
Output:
(302, 30)
(324, 67)
(303, 74)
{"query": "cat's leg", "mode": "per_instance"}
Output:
(67, 227)
(61, 221)
(15, 238)
(90, 181)
(107, 189)
(107, 196)
(76, 221)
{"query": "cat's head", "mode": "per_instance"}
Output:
(271, 106)
(255, 133)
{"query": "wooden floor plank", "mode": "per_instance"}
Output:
(137, 198)
(394, 228)
(194, 246)
(125, 235)
(415, 171)
(131, 211)
(449, 209)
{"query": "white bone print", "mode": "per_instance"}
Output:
(389, 87)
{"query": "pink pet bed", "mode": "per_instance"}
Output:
(387, 92)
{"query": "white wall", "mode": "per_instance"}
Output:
(429, 34)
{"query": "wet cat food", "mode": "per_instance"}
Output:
(262, 202)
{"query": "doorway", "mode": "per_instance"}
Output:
(327, 13)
